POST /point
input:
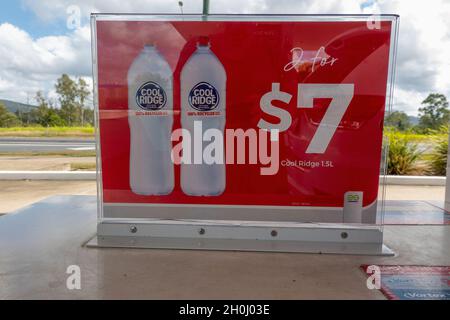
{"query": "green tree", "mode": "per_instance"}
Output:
(28, 117)
(23, 116)
(434, 112)
(72, 98)
(82, 94)
(398, 120)
(67, 89)
(46, 114)
(88, 116)
(7, 118)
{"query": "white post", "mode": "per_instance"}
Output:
(447, 181)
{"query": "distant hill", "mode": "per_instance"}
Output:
(14, 106)
(414, 120)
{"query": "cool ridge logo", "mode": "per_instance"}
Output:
(151, 96)
(203, 97)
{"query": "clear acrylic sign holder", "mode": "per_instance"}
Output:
(130, 220)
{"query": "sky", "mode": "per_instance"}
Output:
(40, 40)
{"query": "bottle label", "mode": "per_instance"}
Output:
(203, 97)
(151, 96)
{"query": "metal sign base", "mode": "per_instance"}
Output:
(241, 236)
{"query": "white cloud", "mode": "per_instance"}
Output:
(423, 65)
(286, 6)
(50, 10)
(28, 65)
(408, 100)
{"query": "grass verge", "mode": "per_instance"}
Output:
(87, 132)
(82, 166)
(64, 153)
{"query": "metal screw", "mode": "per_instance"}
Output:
(201, 231)
(274, 233)
(133, 229)
(344, 235)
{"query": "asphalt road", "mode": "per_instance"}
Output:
(45, 144)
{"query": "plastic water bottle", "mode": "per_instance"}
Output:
(150, 117)
(203, 94)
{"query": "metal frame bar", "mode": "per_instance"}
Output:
(243, 236)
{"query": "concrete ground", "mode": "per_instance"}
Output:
(16, 194)
(36, 250)
(32, 163)
(394, 192)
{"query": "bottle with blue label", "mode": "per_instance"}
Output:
(203, 102)
(150, 118)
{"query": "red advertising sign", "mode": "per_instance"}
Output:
(241, 113)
